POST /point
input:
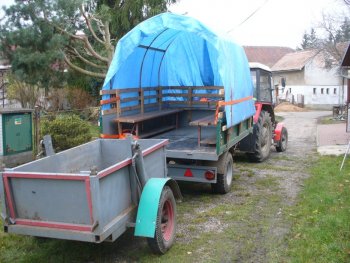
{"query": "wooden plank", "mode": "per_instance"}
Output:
(125, 90)
(107, 92)
(195, 87)
(146, 116)
(110, 111)
(130, 108)
(206, 121)
(160, 97)
(185, 95)
(207, 95)
(157, 131)
(209, 141)
(149, 105)
(142, 101)
(119, 109)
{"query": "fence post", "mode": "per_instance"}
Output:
(36, 129)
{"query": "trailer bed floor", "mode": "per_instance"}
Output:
(183, 143)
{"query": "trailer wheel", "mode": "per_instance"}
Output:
(225, 175)
(166, 223)
(262, 135)
(282, 144)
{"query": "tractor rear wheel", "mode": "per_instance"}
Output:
(262, 135)
(166, 223)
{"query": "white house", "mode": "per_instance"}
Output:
(308, 73)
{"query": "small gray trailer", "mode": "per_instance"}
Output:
(93, 193)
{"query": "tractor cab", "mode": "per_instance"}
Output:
(262, 81)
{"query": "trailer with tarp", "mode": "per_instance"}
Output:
(173, 78)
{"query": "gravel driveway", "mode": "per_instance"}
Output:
(250, 224)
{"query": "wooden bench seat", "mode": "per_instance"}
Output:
(136, 119)
(146, 116)
(205, 121)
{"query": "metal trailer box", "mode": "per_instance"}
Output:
(84, 193)
(16, 137)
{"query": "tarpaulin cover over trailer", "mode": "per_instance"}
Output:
(171, 50)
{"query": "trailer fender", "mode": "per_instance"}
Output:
(148, 206)
(278, 132)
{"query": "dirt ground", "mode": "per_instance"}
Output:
(288, 107)
(250, 224)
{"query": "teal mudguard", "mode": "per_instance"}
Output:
(148, 207)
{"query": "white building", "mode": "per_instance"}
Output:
(309, 75)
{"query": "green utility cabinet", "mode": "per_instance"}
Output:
(16, 136)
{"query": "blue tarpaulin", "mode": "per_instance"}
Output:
(171, 50)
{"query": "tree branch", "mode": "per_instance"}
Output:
(86, 43)
(86, 61)
(88, 23)
(81, 70)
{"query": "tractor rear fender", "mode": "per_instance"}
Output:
(148, 206)
(278, 132)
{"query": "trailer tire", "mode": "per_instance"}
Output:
(282, 144)
(262, 135)
(166, 223)
(225, 175)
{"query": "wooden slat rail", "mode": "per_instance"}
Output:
(151, 98)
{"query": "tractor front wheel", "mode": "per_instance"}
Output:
(282, 144)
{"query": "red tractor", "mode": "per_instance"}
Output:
(267, 131)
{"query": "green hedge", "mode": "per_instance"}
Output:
(67, 131)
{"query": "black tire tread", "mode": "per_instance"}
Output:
(157, 244)
(258, 155)
(279, 146)
(221, 187)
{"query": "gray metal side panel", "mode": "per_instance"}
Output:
(51, 233)
(177, 173)
(115, 195)
(80, 158)
(51, 200)
(192, 155)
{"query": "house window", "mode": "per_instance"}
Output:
(322, 90)
(314, 91)
(327, 90)
(335, 91)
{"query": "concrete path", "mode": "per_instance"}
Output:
(332, 139)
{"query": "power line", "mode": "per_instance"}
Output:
(252, 14)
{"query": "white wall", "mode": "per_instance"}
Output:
(316, 74)
(317, 98)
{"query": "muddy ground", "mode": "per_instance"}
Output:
(251, 223)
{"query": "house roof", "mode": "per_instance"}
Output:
(298, 59)
(346, 58)
(294, 61)
(267, 55)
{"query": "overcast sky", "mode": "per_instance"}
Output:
(274, 22)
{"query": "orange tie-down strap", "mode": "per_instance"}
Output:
(111, 100)
(231, 102)
(117, 136)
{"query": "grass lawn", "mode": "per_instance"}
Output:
(321, 218)
(320, 223)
